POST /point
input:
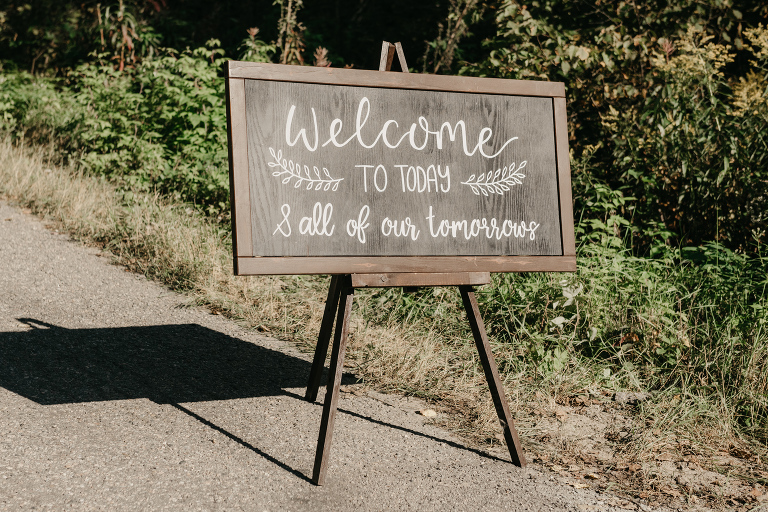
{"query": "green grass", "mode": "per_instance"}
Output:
(691, 330)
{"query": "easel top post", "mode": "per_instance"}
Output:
(388, 54)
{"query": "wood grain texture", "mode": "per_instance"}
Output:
(413, 172)
(419, 279)
(428, 264)
(238, 169)
(232, 202)
(564, 177)
(495, 385)
(365, 78)
(387, 54)
(401, 57)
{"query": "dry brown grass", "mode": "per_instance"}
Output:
(167, 242)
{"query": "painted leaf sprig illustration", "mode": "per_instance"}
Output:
(313, 178)
(498, 181)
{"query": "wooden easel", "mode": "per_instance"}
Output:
(339, 305)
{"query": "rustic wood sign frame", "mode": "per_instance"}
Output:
(350, 272)
(246, 262)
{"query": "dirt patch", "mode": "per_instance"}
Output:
(592, 442)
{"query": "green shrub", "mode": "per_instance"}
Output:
(652, 115)
(693, 323)
(160, 125)
(696, 154)
(35, 107)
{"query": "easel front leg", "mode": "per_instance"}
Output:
(334, 380)
(326, 329)
(492, 375)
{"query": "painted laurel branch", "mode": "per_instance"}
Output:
(291, 170)
(496, 182)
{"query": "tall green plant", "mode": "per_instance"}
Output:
(443, 50)
(697, 160)
(51, 36)
(691, 185)
(253, 49)
(125, 34)
(290, 39)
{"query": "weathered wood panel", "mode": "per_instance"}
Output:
(438, 264)
(365, 78)
(353, 171)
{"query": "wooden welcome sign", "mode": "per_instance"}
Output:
(396, 179)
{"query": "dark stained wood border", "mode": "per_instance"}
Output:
(396, 264)
(564, 177)
(420, 279)
(239, 184)
(364, 78)
(246, 264)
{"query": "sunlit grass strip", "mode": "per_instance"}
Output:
(170, 243)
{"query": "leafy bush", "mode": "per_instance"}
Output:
(696, 154)
(652, 112)
(655, 323)
(34, 107)
(695, 323)
(160, 125)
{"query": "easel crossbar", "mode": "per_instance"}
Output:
(397, 279)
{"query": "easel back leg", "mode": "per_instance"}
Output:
(334, 380)
(326, 329)
(492, 375)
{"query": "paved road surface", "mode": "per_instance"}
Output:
(116, 396)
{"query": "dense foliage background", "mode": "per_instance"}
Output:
(667, 98)
(668, 115)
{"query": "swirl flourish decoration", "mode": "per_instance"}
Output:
(290, 170)
(496, 182)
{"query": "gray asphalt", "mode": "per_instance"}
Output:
(116, 395)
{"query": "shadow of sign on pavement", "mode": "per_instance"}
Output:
(165, 363)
